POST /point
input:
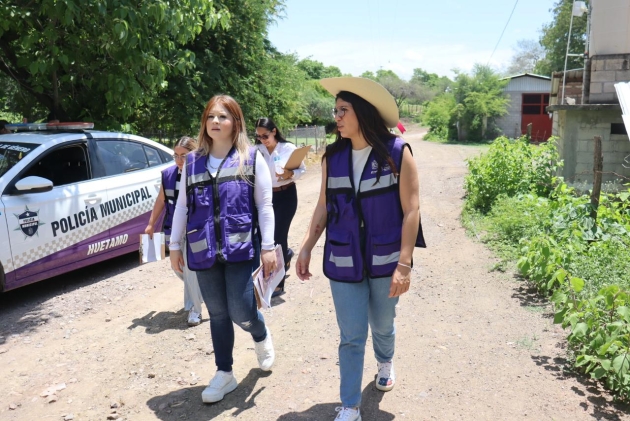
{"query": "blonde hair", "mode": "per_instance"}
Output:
(239, 131)
(186, 143)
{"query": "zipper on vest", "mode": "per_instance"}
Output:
(217, 212)
(356, 192)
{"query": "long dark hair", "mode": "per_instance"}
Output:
(373, 129)
(267, 123)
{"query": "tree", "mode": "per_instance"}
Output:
(83, 59)
(439, 116)
(427, 85)
(482, 97)
(475, 99)
(554, 39)
(316, 70)
(239, 61)
(318, 101)
(527, 54)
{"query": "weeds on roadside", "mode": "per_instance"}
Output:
(524, 213)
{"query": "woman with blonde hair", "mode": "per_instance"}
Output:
(167, 197)
(226, 188)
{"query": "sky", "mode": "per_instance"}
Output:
(401, 35)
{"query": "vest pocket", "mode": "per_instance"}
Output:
(384, 252)
(199, 247)
(341, 259)
(238, 238)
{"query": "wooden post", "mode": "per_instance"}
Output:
(529, 132)
(598, 164)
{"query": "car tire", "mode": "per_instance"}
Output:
(2, 278)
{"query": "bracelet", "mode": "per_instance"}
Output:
(404, 265)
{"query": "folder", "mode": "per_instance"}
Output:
(296, 158)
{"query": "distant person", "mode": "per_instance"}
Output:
(225, 186)
(167, 198)
(369, 206)
(276, 151)
(3, 129)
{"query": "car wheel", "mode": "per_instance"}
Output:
(2, 278)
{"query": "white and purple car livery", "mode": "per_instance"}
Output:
(71, 197)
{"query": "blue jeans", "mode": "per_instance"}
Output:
(228, 291)
(357, 305)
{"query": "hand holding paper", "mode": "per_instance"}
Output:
(265, 285)
(152, 249)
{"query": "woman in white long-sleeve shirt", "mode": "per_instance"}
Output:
(276, 151)
(225, 177)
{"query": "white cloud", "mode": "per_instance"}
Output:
(355, 57)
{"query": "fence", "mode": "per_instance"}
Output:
(313, 135)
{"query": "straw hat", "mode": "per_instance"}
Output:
(371, 91)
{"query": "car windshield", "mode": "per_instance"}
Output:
(13, 152)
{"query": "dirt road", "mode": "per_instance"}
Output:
(110, 341)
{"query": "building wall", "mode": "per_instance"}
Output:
(610, 32)
(576, 130)
(510, 123)
(606, 70)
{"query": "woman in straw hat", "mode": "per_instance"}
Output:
(369, 207)
(224, 179)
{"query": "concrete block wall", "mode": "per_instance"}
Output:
(510, 123)
(606, 70)
(576, 130)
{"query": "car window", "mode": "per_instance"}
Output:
(11, 153)
(153, 156)
(120, 156)
(62, 166)
(166, 157)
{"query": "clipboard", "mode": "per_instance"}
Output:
(296, 158)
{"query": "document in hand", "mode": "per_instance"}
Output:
(264, 287)
(152, 250)
(296, 158)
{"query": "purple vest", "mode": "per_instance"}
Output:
(220, 211)
(169, 181)
(348, 252)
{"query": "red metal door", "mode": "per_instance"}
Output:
(533, 111)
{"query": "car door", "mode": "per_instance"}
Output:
(50, 231)
(134, 174)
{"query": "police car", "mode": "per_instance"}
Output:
(71, 197)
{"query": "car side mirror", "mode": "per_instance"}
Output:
(33, 184)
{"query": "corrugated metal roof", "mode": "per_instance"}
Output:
(527, 74)
(528, 83)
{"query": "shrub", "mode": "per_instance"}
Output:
(510, 167)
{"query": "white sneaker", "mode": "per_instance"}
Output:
(265, 353)
(386, 378)
(221, 384)
(194, 318)
(348, 414)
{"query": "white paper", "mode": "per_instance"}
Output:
(266, 286)
(151, 249)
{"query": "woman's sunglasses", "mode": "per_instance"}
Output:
(262, 136)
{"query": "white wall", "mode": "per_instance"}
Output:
(610, 27)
